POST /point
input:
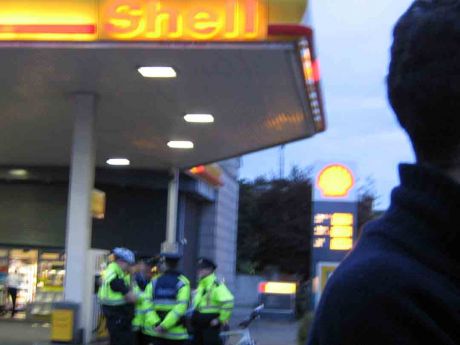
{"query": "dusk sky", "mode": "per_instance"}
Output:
(353, 38)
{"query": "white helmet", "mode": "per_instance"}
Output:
(125, 255)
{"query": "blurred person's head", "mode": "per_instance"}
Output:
(424, 80)
(169, 261)
(124, 258)
(205, 267)
(154, 264)
(123, 264)
(142, 267)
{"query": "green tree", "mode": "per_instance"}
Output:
(274, 223)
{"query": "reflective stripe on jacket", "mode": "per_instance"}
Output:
(168, 298)
(142, 307)
(105, 294)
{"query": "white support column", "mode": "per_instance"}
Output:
(170, 245)
(81, 184)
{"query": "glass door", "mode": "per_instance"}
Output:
(23, 262)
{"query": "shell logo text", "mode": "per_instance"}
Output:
(335, 181)
(184, 20)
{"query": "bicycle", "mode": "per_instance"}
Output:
(243, 333)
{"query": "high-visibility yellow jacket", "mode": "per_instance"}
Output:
(142, 307)
(106, 295)
(214, 298)
(168, 297)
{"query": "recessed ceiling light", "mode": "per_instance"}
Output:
(118, 161)
(157, 72)
(181, 144)
(199, 118)
(18, 172)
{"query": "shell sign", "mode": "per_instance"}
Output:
(145, 20)
(335, 181)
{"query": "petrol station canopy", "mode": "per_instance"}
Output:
(248, 63)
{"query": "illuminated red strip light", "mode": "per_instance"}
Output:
(48, 29)
(307, 32)
(316, 71)
(262, 287)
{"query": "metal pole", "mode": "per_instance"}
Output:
(170, 245)
(282, 161)
(78, 232)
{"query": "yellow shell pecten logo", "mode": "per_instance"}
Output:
(335, 181)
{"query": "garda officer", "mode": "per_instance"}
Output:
(213, 306)
(117, 299)
(169, 297)
(142, 278)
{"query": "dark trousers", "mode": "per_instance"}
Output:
(161, 341)
(207, 336)
(141, 338)
(13, 293)
(119, 321)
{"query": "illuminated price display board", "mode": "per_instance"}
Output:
(335, 211)
(333, 230)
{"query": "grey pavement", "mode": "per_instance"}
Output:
(268, 331)
(23, 333)
(265, 332)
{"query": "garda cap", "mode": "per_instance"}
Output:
(204, 263)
